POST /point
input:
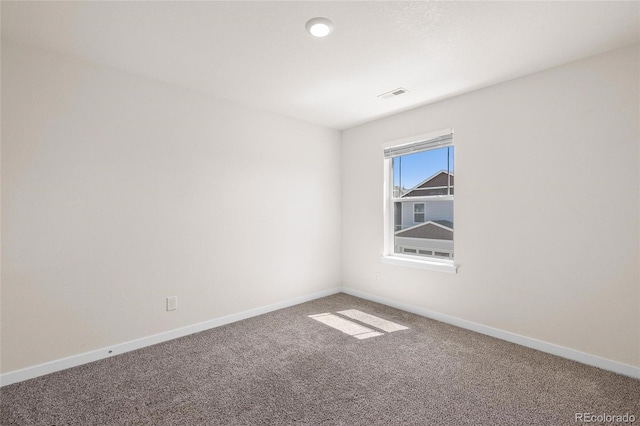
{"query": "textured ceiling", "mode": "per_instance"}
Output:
(259, 54)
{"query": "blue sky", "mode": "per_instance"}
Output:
(421, 165)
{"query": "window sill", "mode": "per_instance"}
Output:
(412, 262)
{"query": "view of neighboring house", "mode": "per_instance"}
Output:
(424, 226)
(438, 184)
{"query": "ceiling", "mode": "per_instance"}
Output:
(258, 53)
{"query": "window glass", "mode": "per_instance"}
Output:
(422, 194)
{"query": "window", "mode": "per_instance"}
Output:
(418, 213)
(419, 219)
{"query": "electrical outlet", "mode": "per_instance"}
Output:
(172, 303)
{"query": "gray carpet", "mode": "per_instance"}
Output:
(284, 368)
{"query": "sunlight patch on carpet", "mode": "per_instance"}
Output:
(348, 327)
(373, 320)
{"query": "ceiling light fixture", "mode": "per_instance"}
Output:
(319, 27)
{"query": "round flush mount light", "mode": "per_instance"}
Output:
(319, 27)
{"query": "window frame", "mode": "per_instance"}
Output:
(401, 259)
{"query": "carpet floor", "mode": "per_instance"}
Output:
(285, 368)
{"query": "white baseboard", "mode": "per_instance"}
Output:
(87, 357)
(84, 358)
(561, 351)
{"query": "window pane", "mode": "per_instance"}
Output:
(397, 216)
(424, 228)
(409, 171)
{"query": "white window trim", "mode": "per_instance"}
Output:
(388, 256)
(424, 198)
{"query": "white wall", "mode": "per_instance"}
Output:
(118, 191)
(546, 212)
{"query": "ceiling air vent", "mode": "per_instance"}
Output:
(393, 93)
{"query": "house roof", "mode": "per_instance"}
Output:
(433, 230)
(433, 185)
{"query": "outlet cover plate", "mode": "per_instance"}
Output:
(172, 303)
